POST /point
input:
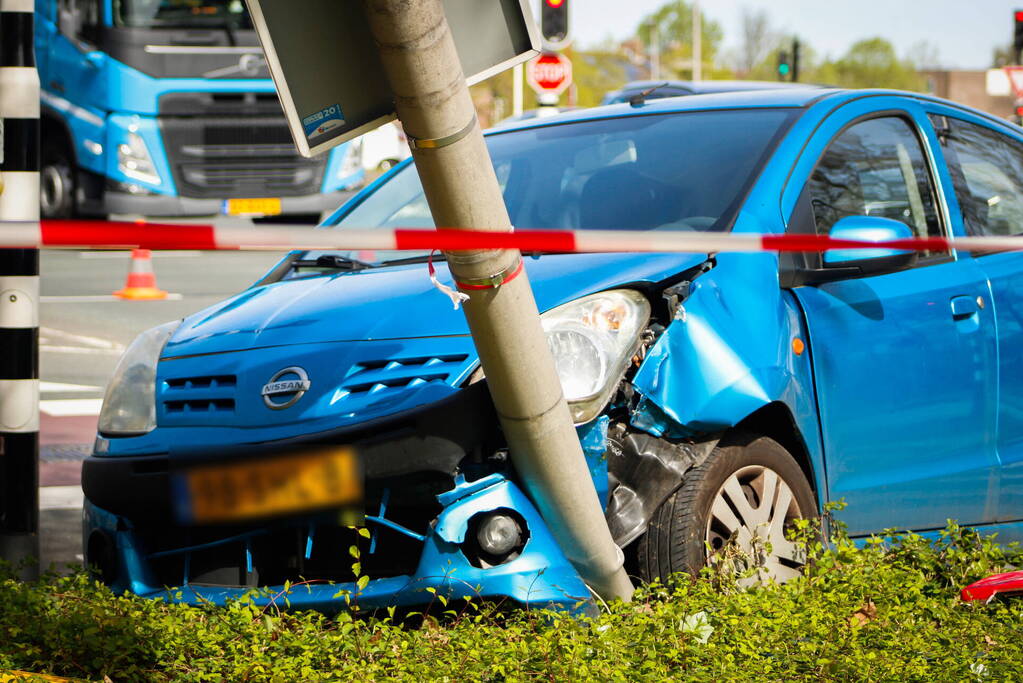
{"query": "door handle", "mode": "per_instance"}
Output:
(57, 86)
(965, 306)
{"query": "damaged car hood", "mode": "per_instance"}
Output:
(396, 302)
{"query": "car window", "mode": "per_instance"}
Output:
(987, 173)
(875, 168)
(687, 171)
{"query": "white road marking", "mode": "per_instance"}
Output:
(81, 339)
(79, 349)
(61, 497)
(61, 388)
(115, 254)
(98, 298)
(58, 341)
(71, 407)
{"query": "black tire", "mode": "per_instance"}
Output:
(676, 539)
(57, 182)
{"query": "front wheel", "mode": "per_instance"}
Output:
(749, 490)
(56, 183)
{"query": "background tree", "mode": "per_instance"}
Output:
(870, 63)
(673, 25)
(759, 40)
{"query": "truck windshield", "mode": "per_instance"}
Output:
(687, 171)
(181, 14)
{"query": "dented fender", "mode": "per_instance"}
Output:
(724, 355)
(727, 352)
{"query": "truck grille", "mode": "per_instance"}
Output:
(221, 153)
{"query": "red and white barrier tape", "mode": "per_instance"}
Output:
(122, 235)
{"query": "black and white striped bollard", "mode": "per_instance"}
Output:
(19, 290)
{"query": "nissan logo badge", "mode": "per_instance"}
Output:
(285, 388)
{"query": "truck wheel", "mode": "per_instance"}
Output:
(749, 490)
(56, 183)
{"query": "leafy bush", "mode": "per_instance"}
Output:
(889, 610)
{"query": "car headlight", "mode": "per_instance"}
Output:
(134, 161)
(129, 405)
(592, 340)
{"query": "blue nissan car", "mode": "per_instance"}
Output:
(717, 397)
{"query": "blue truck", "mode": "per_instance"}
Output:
(166, 108)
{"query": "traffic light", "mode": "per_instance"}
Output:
(795, 59)
(554, 22)
(784, 65)
(1017, 36)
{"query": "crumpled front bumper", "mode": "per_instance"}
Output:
(539, 576)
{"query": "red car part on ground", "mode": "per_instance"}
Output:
(1008, 584)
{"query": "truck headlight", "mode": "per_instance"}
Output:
(129, 405)
(134, 161)
(592, 340)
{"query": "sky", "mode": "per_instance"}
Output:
(964, 32)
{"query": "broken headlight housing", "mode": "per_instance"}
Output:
(129, 405)
(592, 340)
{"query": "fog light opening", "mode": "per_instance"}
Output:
(495, 537)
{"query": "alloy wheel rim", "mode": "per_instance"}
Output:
(53, 190)
(752, 509)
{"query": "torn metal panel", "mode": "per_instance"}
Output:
(644, 471)
(593, 438)
(711, 367)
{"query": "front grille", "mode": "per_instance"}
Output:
(188, 400)
(379, 380)
(240, 147)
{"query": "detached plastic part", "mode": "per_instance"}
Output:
(1004, 585)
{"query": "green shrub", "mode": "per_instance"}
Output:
(889, 610)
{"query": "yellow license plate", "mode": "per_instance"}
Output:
(270, 206)
(324, 478)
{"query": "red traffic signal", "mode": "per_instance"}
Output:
(554, 22)
(1017, 36)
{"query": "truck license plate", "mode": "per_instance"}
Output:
(325, 478)
(269, 206)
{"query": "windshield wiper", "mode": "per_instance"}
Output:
(335, 261)
(422, 258)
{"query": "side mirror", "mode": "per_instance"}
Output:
(95, 59)
(845, 264)
(869, 261)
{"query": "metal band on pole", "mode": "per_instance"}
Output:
(437, 143)
(19, 290)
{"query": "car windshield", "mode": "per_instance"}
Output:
(181, 14)
(685, 171)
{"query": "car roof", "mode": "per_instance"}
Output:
(712, 86)
(732, 99)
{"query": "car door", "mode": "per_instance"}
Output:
(986, 166)
(904, 362)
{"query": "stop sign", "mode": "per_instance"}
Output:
(550, 73)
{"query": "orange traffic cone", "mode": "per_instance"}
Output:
(141, 282)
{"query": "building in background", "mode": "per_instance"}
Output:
(972, 88)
